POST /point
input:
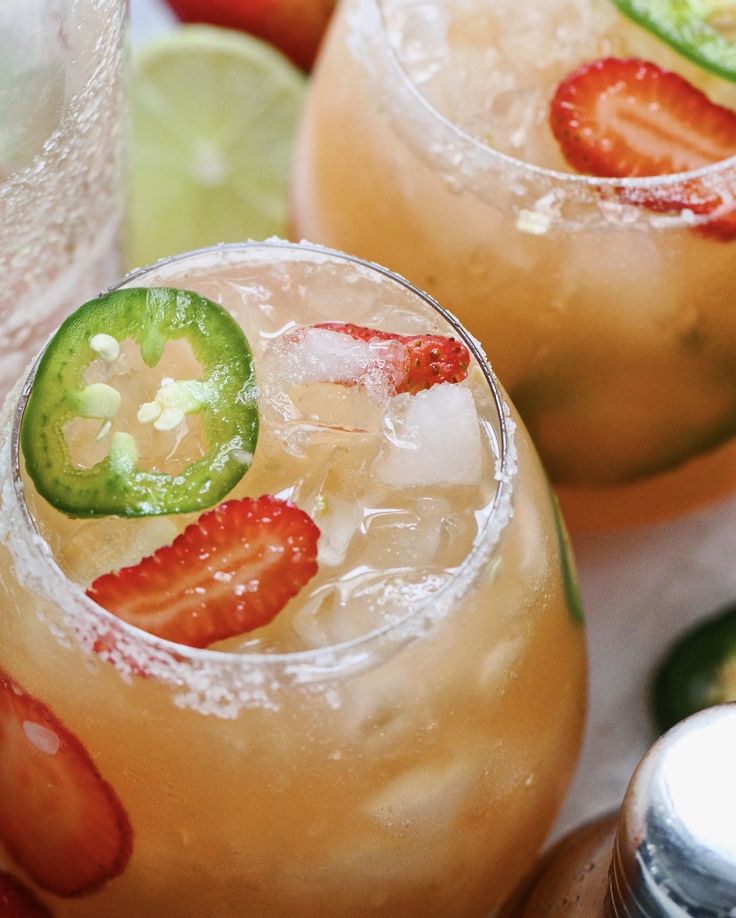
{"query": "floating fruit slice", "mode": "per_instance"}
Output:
(424, 360)
(59, 819)
(222, 397)
(294, 26)
(231, 571)
(698, 29)
(699, 671)
(629, 118)
(214, 118)
(17, 901)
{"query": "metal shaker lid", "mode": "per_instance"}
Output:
(675, 852)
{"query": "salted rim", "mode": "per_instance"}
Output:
(322, 658)
(572, 179)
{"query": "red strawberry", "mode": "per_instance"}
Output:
(294, 26)
(229, 572)
(59, 819)
(626, 118)
(17, 901)
(429, 359)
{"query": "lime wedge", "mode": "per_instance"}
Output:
(214, 117)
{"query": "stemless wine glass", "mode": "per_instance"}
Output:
(61, 141)
(401, 749)
(611, 325)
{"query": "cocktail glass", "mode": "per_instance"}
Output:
(619, 327)
(61, 142)
(399, 749)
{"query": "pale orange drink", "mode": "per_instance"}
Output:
(566, 170)
(348, 680)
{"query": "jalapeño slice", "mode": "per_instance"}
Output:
(699, 671)
(224, 397)
(698, 29)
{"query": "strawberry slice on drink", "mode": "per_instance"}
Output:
(59, 819)
(17, 901)
(424, 361)
(630, 118)
(231, 571)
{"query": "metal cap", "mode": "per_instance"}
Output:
(675, 852)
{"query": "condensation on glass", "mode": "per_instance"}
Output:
(61, 140)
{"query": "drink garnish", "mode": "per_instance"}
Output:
(423, 361)
(698, 671)
(214, 117)
(223, 397)
(17, 901)
(698, 29)
(228, 573)
(59, 819)
(621, 118)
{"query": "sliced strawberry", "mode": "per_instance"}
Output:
(231, 571)
(723, 228)
(428, 359)
(294, 26)
(629, 118)
(17, 901)
(59, 819)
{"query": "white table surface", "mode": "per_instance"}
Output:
(641, 589)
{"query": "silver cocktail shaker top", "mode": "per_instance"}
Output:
(675, 850)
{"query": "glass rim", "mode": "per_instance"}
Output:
(467, 573)
(571, 179)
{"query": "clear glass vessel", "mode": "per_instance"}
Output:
(398, 740)
(621, 319)
(61, 147)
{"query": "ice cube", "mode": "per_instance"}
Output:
(430, 795)
(501, 664)
(418, 30)
(338, 519)
(432, 438)
(367, 600)
(309, 355)
(404, 537)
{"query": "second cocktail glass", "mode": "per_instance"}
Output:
(612, 325)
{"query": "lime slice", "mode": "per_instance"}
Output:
(214, 117)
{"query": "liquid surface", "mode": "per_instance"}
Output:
(492, 68)
(400, 486)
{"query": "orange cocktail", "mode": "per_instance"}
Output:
(351, 679)
(456, 166)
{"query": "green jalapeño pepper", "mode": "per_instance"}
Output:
(699, 671)
(224, 397)
(699, 29)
